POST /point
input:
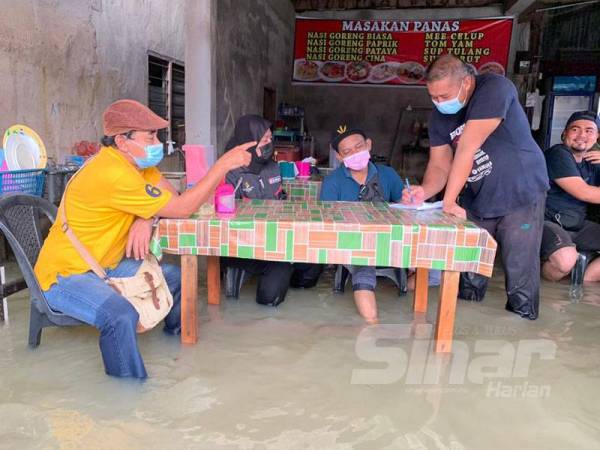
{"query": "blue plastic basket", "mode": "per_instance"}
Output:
(24, 181)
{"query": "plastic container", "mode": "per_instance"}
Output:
(225, 199)
(287, 169)
(56, 181)
(74, 160)
(303, 169)
(3, 165)
(24, 181)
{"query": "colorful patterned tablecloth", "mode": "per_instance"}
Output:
(303, 190)
(332, 233)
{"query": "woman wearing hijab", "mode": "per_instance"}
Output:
(259, 180)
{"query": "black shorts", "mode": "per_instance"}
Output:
(587, 239)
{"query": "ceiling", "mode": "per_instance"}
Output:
(323, 5)
(513, 7)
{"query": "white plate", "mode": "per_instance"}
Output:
(23, 149)
(299, 63)
(414, 67)
(362, 80)
(21, 152)
(392, 65)
(331, 79)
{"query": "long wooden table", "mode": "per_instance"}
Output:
(362, 233)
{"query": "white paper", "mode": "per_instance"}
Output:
(425, 206)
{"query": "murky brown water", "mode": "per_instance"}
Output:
(305, 375)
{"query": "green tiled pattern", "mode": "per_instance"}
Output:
(361, 233)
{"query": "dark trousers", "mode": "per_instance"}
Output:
(273, 281)
(306, 275)
(519, 236)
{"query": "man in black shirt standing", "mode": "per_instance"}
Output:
(482, 149)
(574, 171)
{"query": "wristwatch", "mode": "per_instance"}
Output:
(155, 221)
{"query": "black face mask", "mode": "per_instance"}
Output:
(252, 128)
(266, 152)
(257, 163)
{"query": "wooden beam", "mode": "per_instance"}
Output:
(213, 280)
(189, 299)
(421, 291)
(341, 5)
(444, 328)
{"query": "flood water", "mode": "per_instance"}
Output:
(310, 375)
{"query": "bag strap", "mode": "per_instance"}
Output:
(81, 249)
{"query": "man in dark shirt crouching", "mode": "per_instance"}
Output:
(574, 172)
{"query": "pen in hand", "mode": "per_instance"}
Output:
(412, 200)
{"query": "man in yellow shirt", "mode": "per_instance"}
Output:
(110, 206)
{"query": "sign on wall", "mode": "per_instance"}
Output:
(394, 52)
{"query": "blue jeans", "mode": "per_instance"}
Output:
(89, 299)
(364, 278)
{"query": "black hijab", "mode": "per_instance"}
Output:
(252, 128)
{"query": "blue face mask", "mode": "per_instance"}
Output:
(154, 155)
(450, 106)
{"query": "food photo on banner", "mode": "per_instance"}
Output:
(393, 52)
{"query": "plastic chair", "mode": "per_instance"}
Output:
(21, 222)
(398, 276)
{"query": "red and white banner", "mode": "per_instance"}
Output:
(394, 52)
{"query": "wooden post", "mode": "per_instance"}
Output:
(189, 299)
(444, 328)
(421, 288)
(213, 280)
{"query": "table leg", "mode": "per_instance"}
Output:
(189, 299)
(444, 328)
(213, 280)
(421, 288)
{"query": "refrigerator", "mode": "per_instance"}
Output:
(565, 95)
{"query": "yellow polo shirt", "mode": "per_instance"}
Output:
(102, 202)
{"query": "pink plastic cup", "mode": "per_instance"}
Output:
(225, 199)
(303, 169)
